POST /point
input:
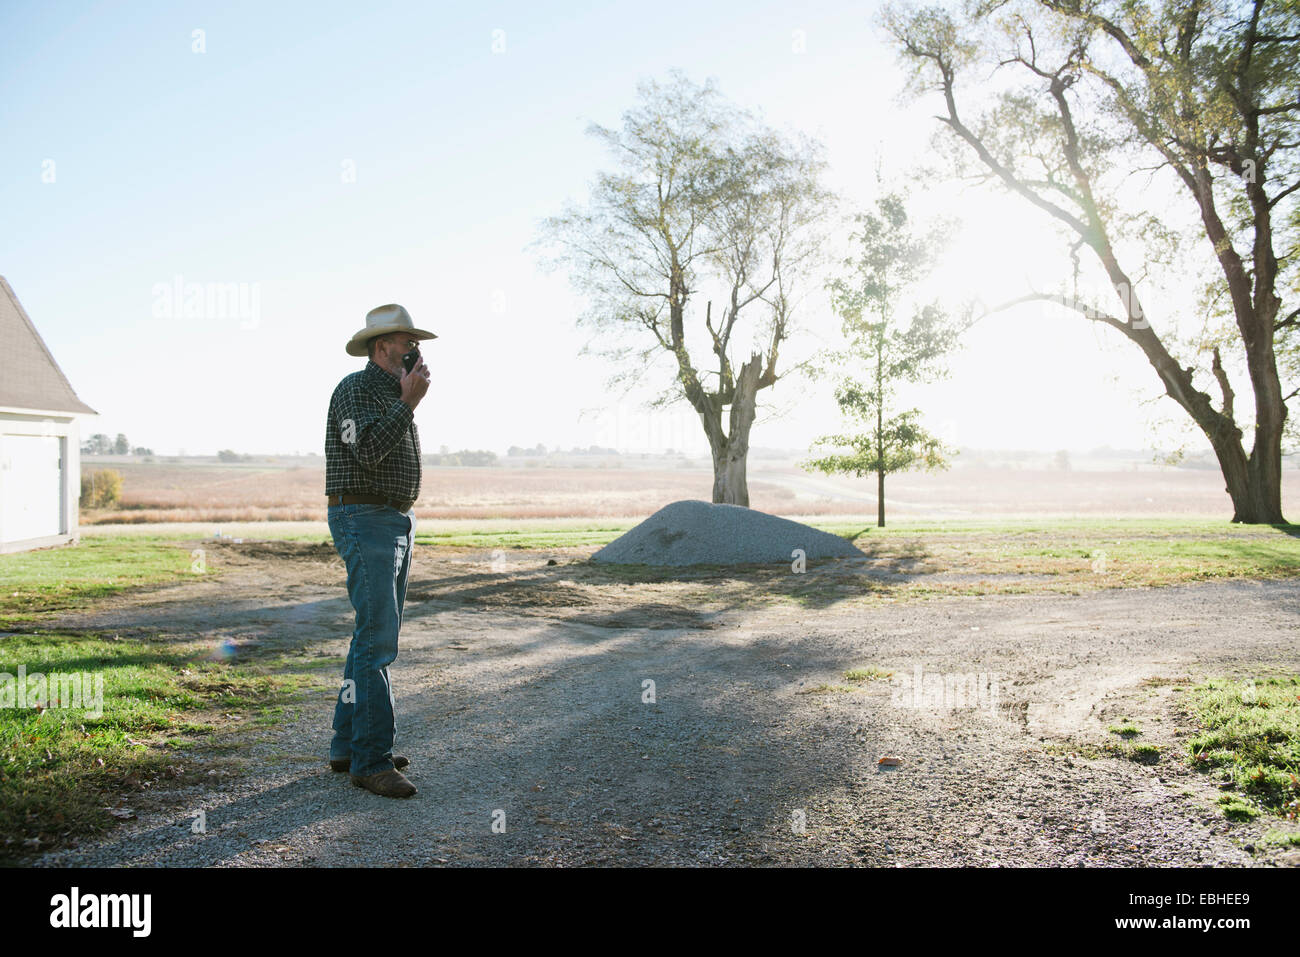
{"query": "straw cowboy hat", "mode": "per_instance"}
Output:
(382, 320)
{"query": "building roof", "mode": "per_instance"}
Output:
(29, 376)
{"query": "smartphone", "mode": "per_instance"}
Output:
(410, 359)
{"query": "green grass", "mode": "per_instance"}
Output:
(866, 674)
(51, 579)
(565, 536)
(1071, 554)
(1182, 547)
(1237, 809)
(1018, 555)
(1144, 753)
(1128, 730)
(61, 768)
(1079, 527)
(1249, 732)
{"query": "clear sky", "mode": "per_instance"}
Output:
(331, 157)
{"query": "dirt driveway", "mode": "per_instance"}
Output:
(523, 704)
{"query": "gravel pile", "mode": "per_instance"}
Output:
(699, 533)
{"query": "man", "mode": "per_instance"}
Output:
(372, 479)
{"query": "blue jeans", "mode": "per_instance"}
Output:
(374, 542)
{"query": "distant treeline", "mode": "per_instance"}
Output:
(468, 458)
(480, 458)
(101, 444)
(539, 449)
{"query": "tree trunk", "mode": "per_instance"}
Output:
(1256, 491)
(731, 451)
(729, 484)
(880, 425)
(1253, 482)
(1264, 467)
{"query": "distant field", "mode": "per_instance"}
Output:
(293, 490)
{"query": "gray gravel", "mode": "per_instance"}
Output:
(700, 533)
(748, 753)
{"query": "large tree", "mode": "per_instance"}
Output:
(1202, 92)
(705, 204)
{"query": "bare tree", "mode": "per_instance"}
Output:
(705, 199)
(1207, 90)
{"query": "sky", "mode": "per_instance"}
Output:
(327, 158)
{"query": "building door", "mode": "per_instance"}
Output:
(31, 487)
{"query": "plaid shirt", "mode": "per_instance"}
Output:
(371, 443)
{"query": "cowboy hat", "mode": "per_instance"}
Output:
(382, 320)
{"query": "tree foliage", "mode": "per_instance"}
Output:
(892, 259)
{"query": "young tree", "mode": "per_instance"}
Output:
(704, 199)
(891, 259)
(1203, 91)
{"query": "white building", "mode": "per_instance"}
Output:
(40, 445)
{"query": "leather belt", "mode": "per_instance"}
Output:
(369, 500)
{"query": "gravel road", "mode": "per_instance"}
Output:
(534, 739)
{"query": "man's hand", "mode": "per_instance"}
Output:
(415, 384)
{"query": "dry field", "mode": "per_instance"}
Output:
(293, 490)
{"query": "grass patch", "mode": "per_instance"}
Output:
(1144, 753)
(512, 535)
(1282, 839)
(1236, 808)
(828, 689)
(1077, 749)
(1162, 682)
(63, 769)
(1087, 554)
(35, 583)
(1249, 732)
(1127, 730)
(866, 674)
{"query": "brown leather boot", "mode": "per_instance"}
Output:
(345, 764)
(391, 783)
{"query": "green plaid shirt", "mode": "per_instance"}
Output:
(371, 443)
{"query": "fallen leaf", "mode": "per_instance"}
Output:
(889, 762)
